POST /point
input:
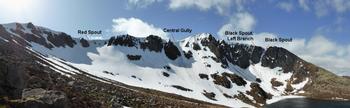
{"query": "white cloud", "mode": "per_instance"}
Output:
(304, 4)
(242, 21)
(137, 28)
(223, 7)
(324, 7)
(341, 5)
(287, 6)
(141, 3)
(220, 5)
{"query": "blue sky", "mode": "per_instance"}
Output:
(69, 16)
(320, 27)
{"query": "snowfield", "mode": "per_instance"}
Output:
(154, 70)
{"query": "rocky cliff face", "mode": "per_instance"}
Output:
(196, 68)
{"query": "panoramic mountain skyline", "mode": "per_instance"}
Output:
(319, 28)
(57, 70)
(174, 53)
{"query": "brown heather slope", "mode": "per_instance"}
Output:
(326, 85)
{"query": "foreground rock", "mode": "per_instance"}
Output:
(40, 98)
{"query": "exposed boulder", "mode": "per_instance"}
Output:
(41, 98)
(204, 76)
(188, 54)
(258, 94)
(134, 57)
(235, 79)
(221, 80)
(167, 67)
(209, 95)
(226, 78)
(245, 99)
(275, 83)
(165, 74)
(181, 88)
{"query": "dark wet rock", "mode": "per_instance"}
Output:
(289, 62)
(188, 54)
(110, 41)
(61, 40)
(258, 80)
(204, 49)
(279, 57)
(123, 40)
(203, 76)
(181, 88)
(227, 96)
(212, 44)
(84, 42)
(37, 39)
(133, 76)
(171, 51)
(107, 72)
(235, 79)
(209, 95)
(152, 43)
(134, 57)
(208, 65)
(205, 57)
(30, 25)
(167, 67)
(215, 59)
(289, 87)
(241, 96)
(241, 55)
(275, 83)
(196, 46)
(19, 26)
(221, 80)
(226, 78)
(44, 98)
(256, 55)
(187, 44)
(224, 66)
(258, 94)
(165, 74)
